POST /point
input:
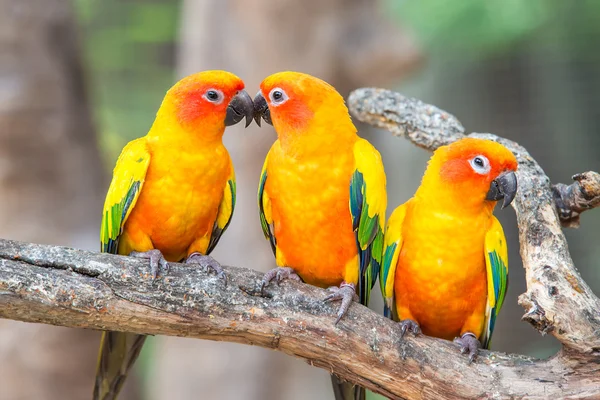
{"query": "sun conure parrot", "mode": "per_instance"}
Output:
(445, 265)
(172, 195)
(322, 194)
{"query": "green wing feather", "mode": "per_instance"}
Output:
(264, 207)
(126, 185)
(392, 246)
(368, 202)
(225, 212)
(496, 260)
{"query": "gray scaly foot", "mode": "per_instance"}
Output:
(207, 263)
(469, 344)
(279, 273)
(157, 261)
(346, 293)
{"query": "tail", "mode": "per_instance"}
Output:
(369, 269)
(118, 352)
(387, 312)
(347, 391)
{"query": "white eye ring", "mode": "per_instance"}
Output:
(214, 96)
(278, 96)
(480, 164)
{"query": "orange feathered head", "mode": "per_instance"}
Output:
(208, 98)
(481, 169)
(295, 103)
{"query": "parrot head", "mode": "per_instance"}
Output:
(208, 99)
(481, 169)
(296, 103)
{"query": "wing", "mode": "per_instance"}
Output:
(225, 212)
(368, 201)
(264, 206)
(496, 261)
(128, 178)
(119, 350)
(392, 244)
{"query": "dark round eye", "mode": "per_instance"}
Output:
(480, 164)
(278, 96)
(212, 95)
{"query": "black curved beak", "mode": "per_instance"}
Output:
(503, 187)
(261, 110)
(239, 107)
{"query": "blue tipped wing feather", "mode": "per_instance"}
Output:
(368, 201)
(496, 260)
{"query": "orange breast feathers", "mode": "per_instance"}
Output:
(440, 277)
(445, 264)
(178, 205)
(311, 215)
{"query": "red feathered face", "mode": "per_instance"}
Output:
(288, 100)
(211, 97)
(481, 166)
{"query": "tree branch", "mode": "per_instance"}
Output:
(62, 286)
(557, 300)
(581, 195)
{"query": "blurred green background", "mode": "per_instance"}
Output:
(528, 70)
(129, 52)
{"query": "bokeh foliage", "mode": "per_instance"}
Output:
(476, 28)
(129, 51)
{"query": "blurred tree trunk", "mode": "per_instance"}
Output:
(345, 42)
(51, 185)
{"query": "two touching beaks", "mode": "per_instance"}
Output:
(242, 106)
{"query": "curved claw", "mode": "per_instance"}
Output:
(157, 261)
(469, 344)
(279, 273)
(208, 263)
(409, 325)
(346, 293)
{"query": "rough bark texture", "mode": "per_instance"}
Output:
(62, 286)
(557, 300)
(51, 183)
